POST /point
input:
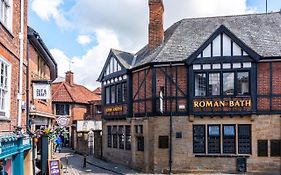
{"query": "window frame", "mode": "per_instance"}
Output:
(204, 139)
(223, 139)
(221, 72)
(64, 106)
(262, 148)
(219, 138)
(7, 13)
(5, 101)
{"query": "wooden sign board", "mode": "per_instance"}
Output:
(54, 167)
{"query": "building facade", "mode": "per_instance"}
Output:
(82, 109)
(42, 71)
(203, 96)
(15, 143)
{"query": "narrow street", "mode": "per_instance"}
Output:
(73, 165)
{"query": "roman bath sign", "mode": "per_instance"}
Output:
(230, 103)
(114, 109)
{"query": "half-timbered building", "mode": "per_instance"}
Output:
(203, 96)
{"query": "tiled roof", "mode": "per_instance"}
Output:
(260, 32)
(64, 92)
(124, 57)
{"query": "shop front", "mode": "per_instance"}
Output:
(12, 153)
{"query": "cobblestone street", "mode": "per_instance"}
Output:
(73, 165)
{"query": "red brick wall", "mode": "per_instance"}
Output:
(78, 112)
(41, 106)
(9, 50)
(178, 75)
(263, 86)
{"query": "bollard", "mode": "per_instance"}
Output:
(84, 161)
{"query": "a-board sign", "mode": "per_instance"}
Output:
(54, 167)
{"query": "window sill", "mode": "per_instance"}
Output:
(222, 155)
(5, 119)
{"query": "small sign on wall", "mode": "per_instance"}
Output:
(41, 91)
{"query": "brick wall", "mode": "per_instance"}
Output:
(41, 106)
(78, 111)
(9, 50)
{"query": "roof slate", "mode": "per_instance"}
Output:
(260, 32)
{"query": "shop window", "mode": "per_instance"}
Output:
(275, 148)
(229, 139)
(128, 137)
(140, 143)
(243, 83)
(163, 142)
(214, 84)
(262, 148)
(213, 139)
(114, 135)
(121, 137)
(244, 139)
(62, 109)
(109, 137)
(200, 84)
(198, 138)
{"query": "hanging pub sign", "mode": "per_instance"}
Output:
(62, 121)
(41, 91)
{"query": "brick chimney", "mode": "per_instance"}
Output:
(69, 77)
(155, 29)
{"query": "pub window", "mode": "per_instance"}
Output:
(140, 143)
(107, 95)
(113, 94)
(243, 83)
(262, 148)
(275, 148)
(114, 134)
(163, 142)
(128, 137)
(214, 84)
(244, 139)
(109, 136)
(119, 93)
(121, 137)
(213, 139)
(124, 92)
(228, 83)
(200, 84)
(138, 129)
(229, 139)
(198, 138)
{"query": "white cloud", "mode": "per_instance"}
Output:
(123, 25)
(46, 9)
(87, 67)
(83, 39)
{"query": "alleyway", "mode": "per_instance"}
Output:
(93, 166)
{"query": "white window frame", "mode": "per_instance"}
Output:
(8, 14)
(7, 102)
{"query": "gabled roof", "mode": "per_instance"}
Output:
(65, 93)
(125, 59)
(259, 32)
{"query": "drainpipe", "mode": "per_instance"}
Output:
(171, 123)
(21, 37)
(28, 129)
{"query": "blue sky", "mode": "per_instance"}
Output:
(104, 24)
